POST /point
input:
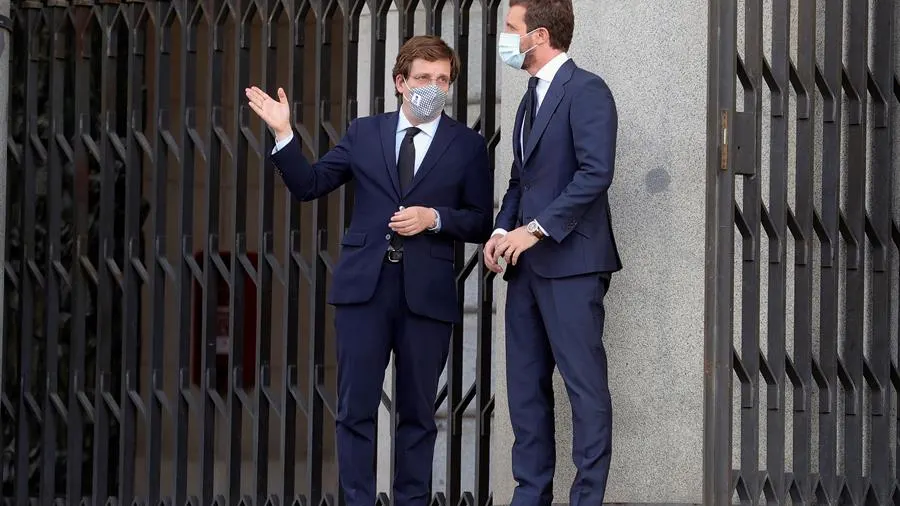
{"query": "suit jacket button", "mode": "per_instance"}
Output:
(387, 237)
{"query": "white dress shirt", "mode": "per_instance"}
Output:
(422, 141)
(545, 76)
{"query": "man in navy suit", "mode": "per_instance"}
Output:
(554, 231)
(423, 182)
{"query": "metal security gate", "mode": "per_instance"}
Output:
(802, 284)
(166, 336)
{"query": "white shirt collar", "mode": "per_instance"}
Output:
(549, 70)
(427, 128)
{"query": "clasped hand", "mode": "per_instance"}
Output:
(413, 220)
(508, 246)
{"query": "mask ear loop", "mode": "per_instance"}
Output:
(534, 46)
(408, 90)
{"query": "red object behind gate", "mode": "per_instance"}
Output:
(221, 341)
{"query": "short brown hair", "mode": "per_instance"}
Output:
(557, 16)
(428, 48)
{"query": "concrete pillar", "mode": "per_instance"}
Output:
(654, 59)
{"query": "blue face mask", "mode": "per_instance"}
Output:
(508, 45)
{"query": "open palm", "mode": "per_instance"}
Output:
(276, 113)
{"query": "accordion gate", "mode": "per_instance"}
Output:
(802, 267)
(166, 336)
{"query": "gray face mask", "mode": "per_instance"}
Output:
(426, 102)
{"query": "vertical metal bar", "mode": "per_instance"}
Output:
(24, 412)
(406, 21)
(80, 278)
(803, 268)
(881, 196)
(159, 165)
(750, 271)
(6, 160)
(379, 10)
(132, 404)
(243, 25)
(211, 278)
(321, 145)
(461, 45)
(350, 52)
(268, 34)
(55, 17)
(778, 188)
(484, 399)
(828, 296)
(855, 211)
(105, 406)
(455, 415)
(719, 273)
(220, 17)
(291, 294)
(893, 208)
(133, 264)
(165, 13)
(230, 12)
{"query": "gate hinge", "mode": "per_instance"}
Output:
(723, 142)
(744, 139)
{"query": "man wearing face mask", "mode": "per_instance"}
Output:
(423, 183)
(554, 231)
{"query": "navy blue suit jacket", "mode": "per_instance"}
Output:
(563, 177)
(454, 178)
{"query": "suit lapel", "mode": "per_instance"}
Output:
(388, 145)
(548, 106)
(446, 132)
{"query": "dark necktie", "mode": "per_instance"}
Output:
(406, 162)
(530, 107)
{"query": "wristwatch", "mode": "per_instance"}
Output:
(534, 229)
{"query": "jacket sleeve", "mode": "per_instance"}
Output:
(594, 123)
(311, 181)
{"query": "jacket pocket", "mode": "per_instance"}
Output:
(353, 239)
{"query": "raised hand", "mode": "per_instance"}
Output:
(276, 113)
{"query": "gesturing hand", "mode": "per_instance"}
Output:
(276, 113)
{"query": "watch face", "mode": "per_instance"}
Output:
(530, 227)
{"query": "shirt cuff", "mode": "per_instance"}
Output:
(437, 222)
(500, 231)
(282, 143)
(541, 228)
